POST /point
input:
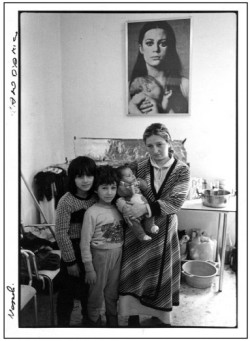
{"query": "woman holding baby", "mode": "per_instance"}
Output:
(150, 272)
(158, 58)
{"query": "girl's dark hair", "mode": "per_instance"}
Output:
(82, 165)
(161, 130)
(172, 67)
(105, 175)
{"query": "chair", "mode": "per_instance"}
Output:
(28, 292)
(45, 275)
(44, 231)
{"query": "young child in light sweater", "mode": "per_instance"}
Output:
(101, 248)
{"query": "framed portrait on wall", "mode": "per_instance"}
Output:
(158, 67)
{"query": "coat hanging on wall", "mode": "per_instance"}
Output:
(50, 186)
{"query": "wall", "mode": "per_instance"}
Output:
(93, 79)
(94, 87)
(94, 93)
(41, 101)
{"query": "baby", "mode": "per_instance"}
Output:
(147, 89)
(129, 189)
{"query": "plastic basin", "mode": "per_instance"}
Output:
(199, 274)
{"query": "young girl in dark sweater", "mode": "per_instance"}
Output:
(69, 218)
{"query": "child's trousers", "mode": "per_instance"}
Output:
(71, 287)
(107, 264)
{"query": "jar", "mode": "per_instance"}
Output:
(233, 259)
(222, 184)
(204, 184)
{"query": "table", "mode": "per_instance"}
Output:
(196, 205)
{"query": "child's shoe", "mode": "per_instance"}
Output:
(134, 321)
(86, 322)
(112, 321)
(96, 324)
(154, 229)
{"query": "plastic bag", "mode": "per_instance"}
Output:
(202, 248)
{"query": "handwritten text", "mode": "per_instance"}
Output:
(14, 73)
(13, 303)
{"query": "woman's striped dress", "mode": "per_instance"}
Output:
(151, 271)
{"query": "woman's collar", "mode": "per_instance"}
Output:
(167, 164)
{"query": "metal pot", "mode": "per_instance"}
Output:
(199, 274)
(215, 198)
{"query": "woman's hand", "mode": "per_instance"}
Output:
(140, 104)
(146, 106)
(73, 270)
(90, 277)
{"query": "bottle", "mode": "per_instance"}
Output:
(204, 184)
(229, 247)
(222, 184)
(233, 259)
(216, 184)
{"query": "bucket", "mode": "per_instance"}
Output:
(199, 274)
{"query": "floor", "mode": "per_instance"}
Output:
(198, 308)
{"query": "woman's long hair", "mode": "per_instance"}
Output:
(172, 67)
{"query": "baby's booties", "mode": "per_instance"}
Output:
(154, 229)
